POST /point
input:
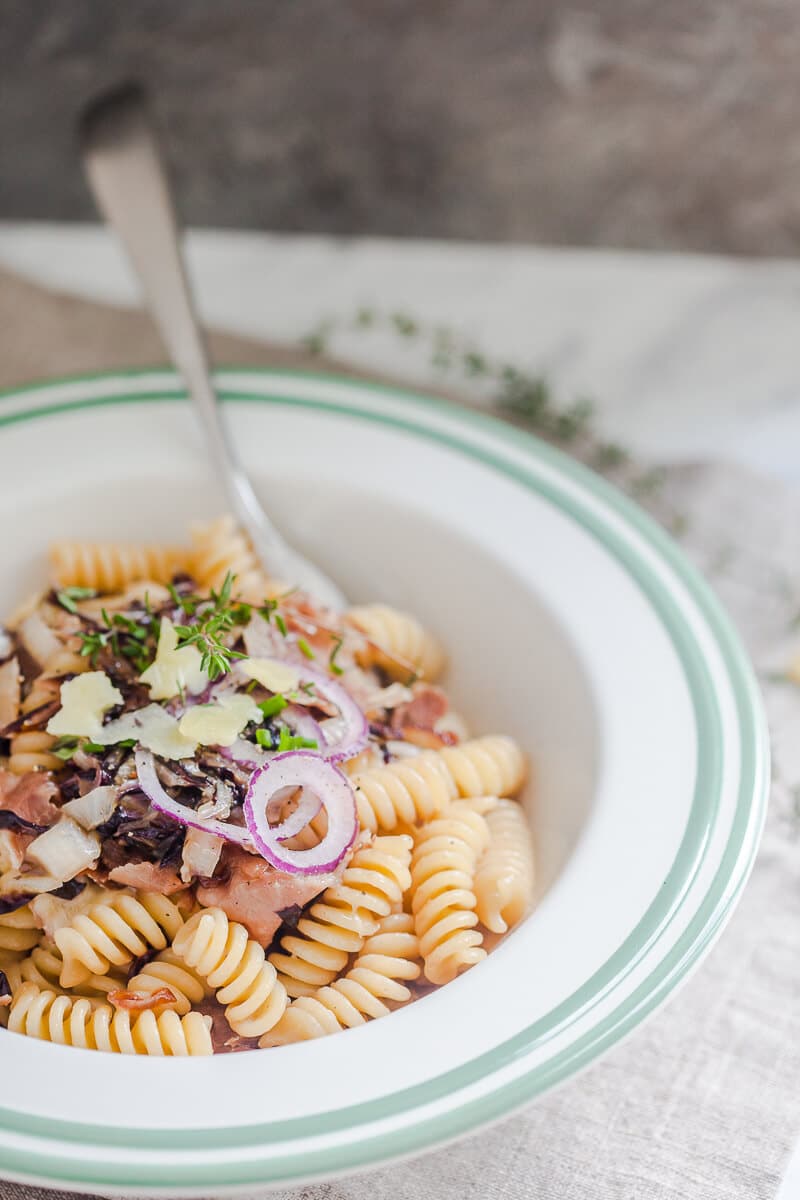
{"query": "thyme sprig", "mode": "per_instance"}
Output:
(212, 620)
(126, 636)
(519, 394)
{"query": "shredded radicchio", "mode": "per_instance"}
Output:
(134, 834)
(12, 902)
(70, 889)
(291, 915)
(10, 820)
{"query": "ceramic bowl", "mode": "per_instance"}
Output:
(571, 621)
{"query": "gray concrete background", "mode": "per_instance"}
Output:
(643, 123)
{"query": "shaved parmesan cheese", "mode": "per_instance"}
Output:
(271, 674)
(153, 728)
(221, 723)
(175, 668)
(84, 702)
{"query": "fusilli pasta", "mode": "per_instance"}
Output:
(94, 1025)
(43, 967)
(371, 887)
(169, 970)
(19, 931)
(115, 933)
(417, 789)
(111, 566)
(219, 549)
(234, 965)
(446, 852)
(396, 641)
(387, 957)
(504, 876)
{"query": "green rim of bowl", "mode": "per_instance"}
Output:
(44, 1163)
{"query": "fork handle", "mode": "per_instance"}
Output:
(127, 177)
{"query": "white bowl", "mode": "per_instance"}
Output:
(572, 622)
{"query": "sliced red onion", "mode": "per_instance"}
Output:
(352, 728)
(308, 807)
(304, 769)
(163, 803)
(303, 725)
(306, 810)
(246, 753)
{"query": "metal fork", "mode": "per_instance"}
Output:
(124, 167)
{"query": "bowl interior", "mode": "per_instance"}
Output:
(512, 667)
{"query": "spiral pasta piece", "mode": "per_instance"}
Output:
(443, 899)
(43, 967)
(30, 749)
(114, 933)
(169, 970)
(111, 566)
(97, 1026)
(393, 635)
(486, 766)
(219, 548)
(403, 792)
(387, 958)
(504, 877)
(234, 965)
(19, 931)
(414, 790)
(371, 887)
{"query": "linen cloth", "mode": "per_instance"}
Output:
(703, 1102)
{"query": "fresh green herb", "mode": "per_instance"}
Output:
(289, 741)
(187, 604)
(308, 688)
(304, 648)
(332, 663)
(475, 363)
(93, 747)
(316, 342)
(65, 747)
(252, 685)
(279, 621)
(404, 325)
(214, 618)
(264, 738)
(67, 597)
(127, 638)
(267, 609)
(92, 643)
(271, 707)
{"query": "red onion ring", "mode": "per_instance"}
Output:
(355, 729)
(302, 768)
(163, 803)
(239, 835)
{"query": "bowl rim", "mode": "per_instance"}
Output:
(149, 384)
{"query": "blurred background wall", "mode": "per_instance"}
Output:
(638, 123)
